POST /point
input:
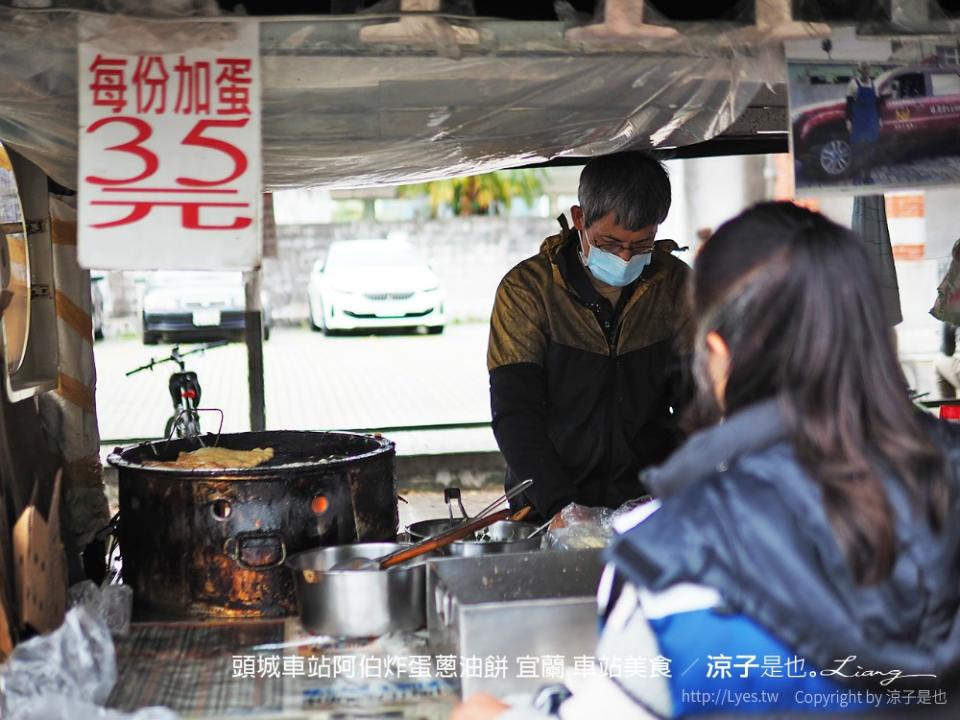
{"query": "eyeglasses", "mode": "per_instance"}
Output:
(608, 245)
(616, 248)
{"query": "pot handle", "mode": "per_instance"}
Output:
(233, 547)
(449, 495)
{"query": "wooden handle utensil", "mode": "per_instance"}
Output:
(522, 513)
(442, 540)
(484, 518)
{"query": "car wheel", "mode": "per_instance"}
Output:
(834, 158)
(323, 324)
(150, 338)
(435, 330)
(314, 325)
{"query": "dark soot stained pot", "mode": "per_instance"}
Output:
(213, 543)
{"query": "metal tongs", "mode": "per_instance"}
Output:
(468, 527)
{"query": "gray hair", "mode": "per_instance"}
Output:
(633, 186)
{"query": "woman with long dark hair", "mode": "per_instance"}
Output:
(806, 548)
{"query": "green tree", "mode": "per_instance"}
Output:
(479, 194)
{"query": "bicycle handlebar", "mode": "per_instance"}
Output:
(175, 356)
(208, 346)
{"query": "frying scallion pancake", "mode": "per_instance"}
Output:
(216, 458)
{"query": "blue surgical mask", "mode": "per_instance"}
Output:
(612, 270)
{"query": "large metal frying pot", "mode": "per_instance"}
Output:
(358, 603)
(200, 543)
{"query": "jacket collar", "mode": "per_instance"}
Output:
(754, 428)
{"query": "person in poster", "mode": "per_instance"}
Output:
(863, 119)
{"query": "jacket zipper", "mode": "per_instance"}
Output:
(612, 394)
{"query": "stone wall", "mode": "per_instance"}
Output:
(469, 255)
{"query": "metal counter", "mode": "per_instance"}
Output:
(513, 607)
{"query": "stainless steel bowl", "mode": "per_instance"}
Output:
(357, 603)
(423, 529)
(506, 536)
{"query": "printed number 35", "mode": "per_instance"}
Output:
(151, 162)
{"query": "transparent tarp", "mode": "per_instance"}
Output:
(342, 109)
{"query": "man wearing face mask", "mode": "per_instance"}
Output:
(588, 344)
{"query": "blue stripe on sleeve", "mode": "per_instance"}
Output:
(729, 663)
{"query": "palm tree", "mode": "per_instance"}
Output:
(478, 194)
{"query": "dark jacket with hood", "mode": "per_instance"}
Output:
(583, 394)
(740, 514)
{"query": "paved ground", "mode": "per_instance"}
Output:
(921, 170)
(905, 172)
(313, 383)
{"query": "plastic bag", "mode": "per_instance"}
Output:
(947, 305)
(578, 527)
(632, 513)
(56, 707)
(113, 604)
(76, 661)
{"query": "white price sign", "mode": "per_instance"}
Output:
(169, 173)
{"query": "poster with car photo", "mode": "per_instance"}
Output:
(868, 114)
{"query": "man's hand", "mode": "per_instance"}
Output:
(479, 707)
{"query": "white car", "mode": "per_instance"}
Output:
(374, 284)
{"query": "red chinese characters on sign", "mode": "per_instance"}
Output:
(109, 85)
(233, 86)
(193, 87)
(190, 85)
(150, 79)
(186, 91)
(189, 212)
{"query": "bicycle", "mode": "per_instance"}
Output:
(184, 391)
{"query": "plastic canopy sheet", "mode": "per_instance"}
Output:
(341, 112)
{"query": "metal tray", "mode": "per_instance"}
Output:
(515, 605)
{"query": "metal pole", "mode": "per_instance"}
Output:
(253, 330)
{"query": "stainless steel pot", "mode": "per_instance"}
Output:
(506, 536)
(423, 529)
(357, 603)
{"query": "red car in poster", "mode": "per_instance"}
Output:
(919, 106)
